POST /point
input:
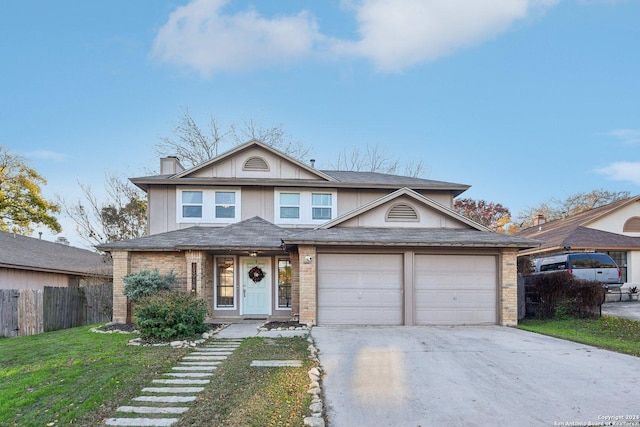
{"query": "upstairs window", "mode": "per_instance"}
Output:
(289, 205)
(225, 204)
(208, 206)
(192, 204)
(321, 206)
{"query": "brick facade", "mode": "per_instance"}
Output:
(307, 271)
(509, 287)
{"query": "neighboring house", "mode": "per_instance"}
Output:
(28, 263)
(259, 234)
(613, 229)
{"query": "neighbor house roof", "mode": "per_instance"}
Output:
(325, 178)
(28, 253)
(573, 231)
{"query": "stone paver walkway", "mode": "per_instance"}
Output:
(169, 396)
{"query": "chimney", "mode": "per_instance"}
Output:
(170, 165)
(313, 163)
(62, 240)
(539, 220)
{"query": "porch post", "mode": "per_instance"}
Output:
(308, 304)
(121, 267)
(509, 287)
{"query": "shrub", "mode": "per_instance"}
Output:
(170, 315)
(145, 282)
(561, 295)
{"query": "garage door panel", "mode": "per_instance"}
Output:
(360, 289)
(455, 289)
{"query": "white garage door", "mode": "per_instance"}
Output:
(360, 289)
(455, 289)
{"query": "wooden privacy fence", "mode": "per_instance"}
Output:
(29, 312)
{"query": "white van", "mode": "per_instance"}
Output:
(587, 266)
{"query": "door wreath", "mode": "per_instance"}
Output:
(256, 274)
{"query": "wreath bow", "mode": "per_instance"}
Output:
(256, 274)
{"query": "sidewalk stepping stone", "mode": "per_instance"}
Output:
(198, 358)
(212, 356)
(165, 399)
(188, 374)
(172, 389)
(153, 409)
(214, 350)
(277, 363)
(144, 422)
(183, 382)
(201, 363)
(194, 368)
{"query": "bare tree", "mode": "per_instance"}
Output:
(376, 159)
(555, 208)
(193, 145)
(190, 143)
(122, 216)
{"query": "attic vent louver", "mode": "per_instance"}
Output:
(402, 212)
(632, 225)
(256, 164)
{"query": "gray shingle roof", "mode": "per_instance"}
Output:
(28, 253)
(251, 234)
(359, 236)
(259, 234)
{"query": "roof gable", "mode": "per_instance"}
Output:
(404, 208)
(254, 160)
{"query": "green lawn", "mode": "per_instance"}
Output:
(611, 333)
(244, 396)
(73, 376)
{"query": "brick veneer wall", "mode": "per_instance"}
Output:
(177, 262)
(295, 282)
(308, 303)
(509, 288)
(121, 267)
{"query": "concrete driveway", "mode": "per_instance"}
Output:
(471, 376)
(626, 309)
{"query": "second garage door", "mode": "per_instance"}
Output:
(455, 289)
(360, 289)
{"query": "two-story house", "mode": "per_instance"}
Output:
(259, 234)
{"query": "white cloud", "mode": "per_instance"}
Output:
(627, 136)
(201, 36)
(45, 154)
(396, 34)
(622, 171)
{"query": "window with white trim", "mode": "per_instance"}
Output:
(208, 205)
(225, 204)
(296, 207)
(321, 206)
(290, 205)
(225, 283)
(192, 204)
(284, 284)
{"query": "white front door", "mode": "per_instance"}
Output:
(256, 286)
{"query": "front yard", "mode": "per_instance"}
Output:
(78, 377)
(608, 332)
(73, 376)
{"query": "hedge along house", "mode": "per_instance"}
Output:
(259, 234)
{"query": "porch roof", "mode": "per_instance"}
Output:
(254, 234)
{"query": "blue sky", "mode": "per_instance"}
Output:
(524, 100)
